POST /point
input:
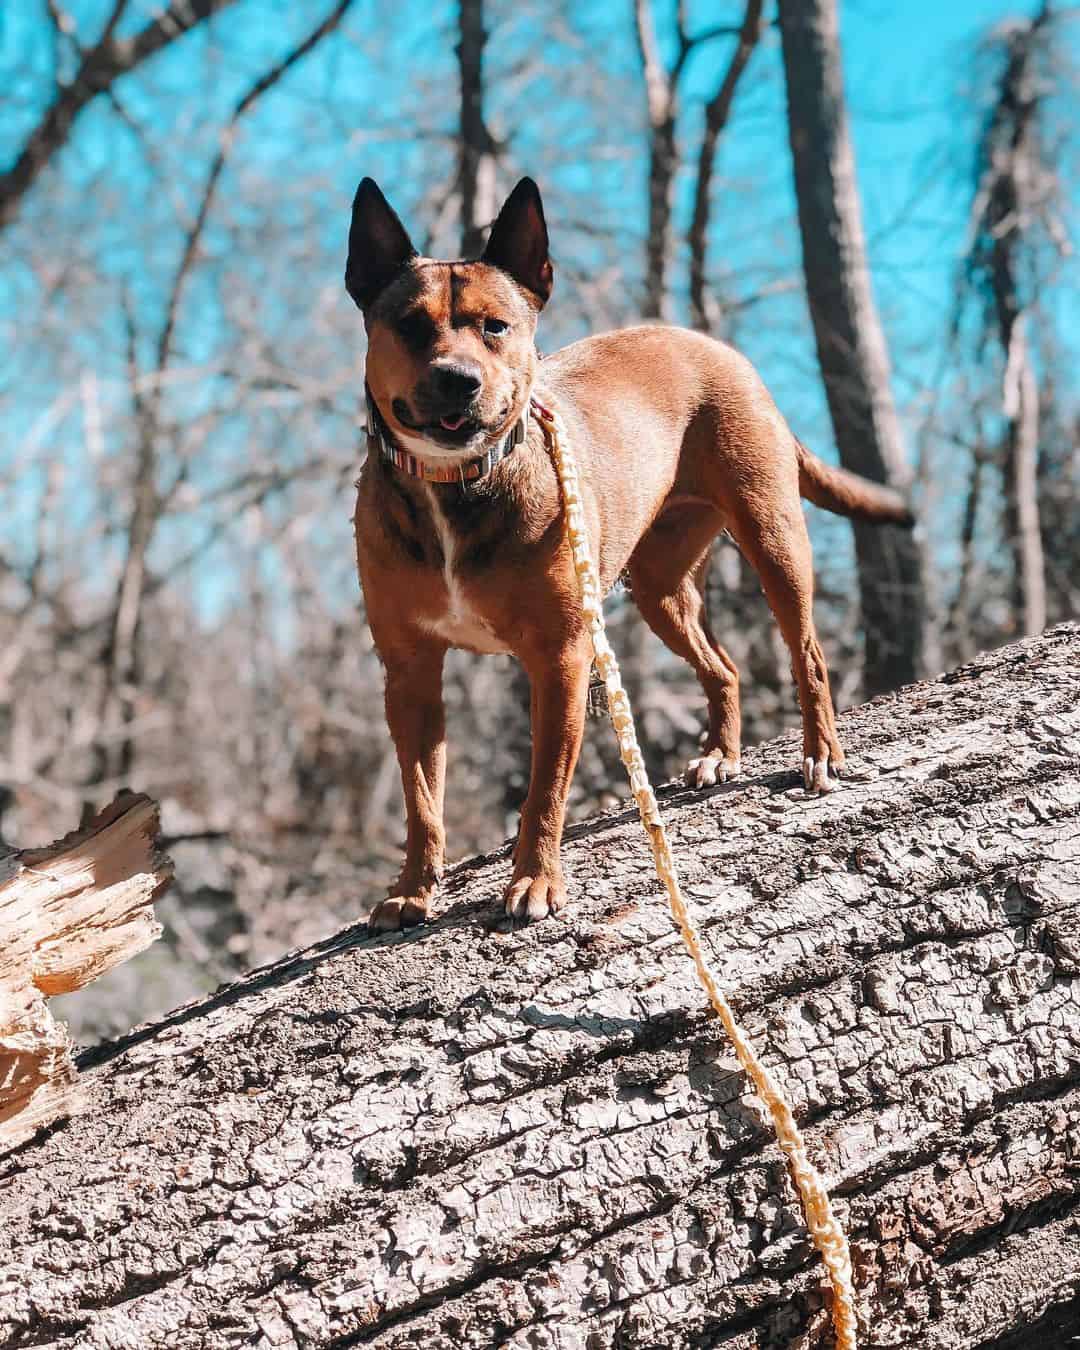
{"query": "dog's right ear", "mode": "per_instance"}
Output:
(379, 245)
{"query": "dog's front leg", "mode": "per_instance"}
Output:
(559, 683)
(414, 711)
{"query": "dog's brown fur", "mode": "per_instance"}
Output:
(677, 439)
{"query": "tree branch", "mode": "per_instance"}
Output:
(717, 112)
(244, 105)
(101, 65)
(121, 656)
(658, 84)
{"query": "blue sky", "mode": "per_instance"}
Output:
(380, 99)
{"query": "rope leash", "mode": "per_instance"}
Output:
(825, 1230)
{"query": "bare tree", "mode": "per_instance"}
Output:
(850, 341)
(1016, 197)
(661, 100)
(476, 145)
(100, 65)
(662, 96)
(120, 662)
(717, 113)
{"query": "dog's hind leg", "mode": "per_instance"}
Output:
(666, 573)
(770, 529)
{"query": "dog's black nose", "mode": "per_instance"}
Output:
(456, 381)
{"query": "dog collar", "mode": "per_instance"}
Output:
(379, 436)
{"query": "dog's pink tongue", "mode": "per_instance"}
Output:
(451, 423)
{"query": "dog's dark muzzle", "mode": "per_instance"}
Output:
(447, 399)
(452, 387)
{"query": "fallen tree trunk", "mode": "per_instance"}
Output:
(68, 913)
(470, 1137)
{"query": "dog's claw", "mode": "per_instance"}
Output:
(709, 770)
(530, 897)
(400, 911)
(820, 775)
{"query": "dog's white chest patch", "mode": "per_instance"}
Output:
(460, 625)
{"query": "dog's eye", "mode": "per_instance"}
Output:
(495, 327)
(416, 329)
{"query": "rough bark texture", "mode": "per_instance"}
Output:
(463, 1136)
(850, 341)
(68, 913)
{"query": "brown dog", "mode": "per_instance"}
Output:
(459, 521)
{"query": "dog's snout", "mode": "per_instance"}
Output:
(457, 381)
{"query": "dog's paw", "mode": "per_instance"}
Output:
(822, 775)
(534, 897)
(708, 770)
(400, 911)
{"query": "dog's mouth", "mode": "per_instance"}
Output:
(457, 429)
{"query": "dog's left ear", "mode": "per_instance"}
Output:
(519, 241)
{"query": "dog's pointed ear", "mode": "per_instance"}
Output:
(519, 241)
(379, 245)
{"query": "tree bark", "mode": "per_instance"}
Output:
(68, 914)
(463, 1136)
(662, 108)
(476, 145)
(850, 341)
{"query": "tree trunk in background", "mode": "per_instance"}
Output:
(114, 748)
(1021, 406)
(717, 112)
(959, 624)
(661, 112)
(850, 341)
(662, 166)
(1018, 195)
(476, 145)
(661, 104)
(1011, 203)
(464, 1136)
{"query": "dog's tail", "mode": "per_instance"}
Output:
(849, 495)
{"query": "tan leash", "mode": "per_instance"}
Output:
(824, 1228)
